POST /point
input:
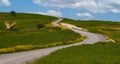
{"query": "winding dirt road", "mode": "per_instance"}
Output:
(27, 56)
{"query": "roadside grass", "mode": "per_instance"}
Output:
(110, 29)
(85, 54)
(99, 53)
(29, 37)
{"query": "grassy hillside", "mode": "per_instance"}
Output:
(28, 36)
(85, 54)
(111, 29)
(100, 53)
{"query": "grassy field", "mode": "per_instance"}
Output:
(28, 36)
(100, 53)
(110, 29)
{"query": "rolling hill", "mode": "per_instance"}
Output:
(28, 36)
(100, 53)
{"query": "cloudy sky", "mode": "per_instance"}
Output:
(74, 9)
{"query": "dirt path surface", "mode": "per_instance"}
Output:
(27, 56)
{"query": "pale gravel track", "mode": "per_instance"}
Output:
(27, 56)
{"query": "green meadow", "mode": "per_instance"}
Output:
(28, 36)
(99, 53)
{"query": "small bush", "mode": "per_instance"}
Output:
(39, 26)
(13, 13)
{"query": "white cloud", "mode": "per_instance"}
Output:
(112, 2)
(49, 13)
(84, 15)
(115, 11)
(4, 3)
(54, 13)
(94, 6)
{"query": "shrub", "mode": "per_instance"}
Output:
(13, 13)
(39, 26)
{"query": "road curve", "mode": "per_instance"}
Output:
(27, 56)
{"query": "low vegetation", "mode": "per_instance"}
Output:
(110, 29)
(100, 53)
(85, 54)
(31, 47)
(29, 36)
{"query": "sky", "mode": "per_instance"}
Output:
(75, 9)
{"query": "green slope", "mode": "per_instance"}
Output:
(100, 53)
(28, 36)
(111, 29)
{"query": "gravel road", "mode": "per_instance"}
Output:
(28, 56)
